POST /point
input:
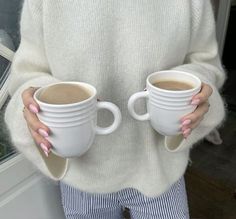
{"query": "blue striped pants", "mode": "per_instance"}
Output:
(81, 205)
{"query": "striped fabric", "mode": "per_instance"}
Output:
(82, 205)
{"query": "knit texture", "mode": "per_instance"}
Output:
(115, 45)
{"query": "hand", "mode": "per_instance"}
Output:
(37, 129)
(192, 120)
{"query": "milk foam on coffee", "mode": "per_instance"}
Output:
(63, 94)
(173, 85)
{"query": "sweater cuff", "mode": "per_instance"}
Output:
(179, 143)
(173, 143)
(53, 166)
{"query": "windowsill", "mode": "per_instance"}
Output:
(13, 172)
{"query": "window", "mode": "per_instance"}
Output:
(6, 150)
(9, 41)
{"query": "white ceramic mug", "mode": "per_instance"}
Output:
(165, 108)
(73, 126)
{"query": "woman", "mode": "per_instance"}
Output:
(115, 45)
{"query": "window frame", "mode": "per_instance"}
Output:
(11, 173)
(4, 89)
(8, 54)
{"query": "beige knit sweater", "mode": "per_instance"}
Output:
(115, 45)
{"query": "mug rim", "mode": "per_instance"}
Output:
(173, 91)
(49, 105)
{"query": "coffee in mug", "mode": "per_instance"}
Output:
(173, 85)
(64, 94)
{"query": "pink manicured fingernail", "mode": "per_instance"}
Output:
(43, 133)
(186, 133)
(46, 153)
(195, 102)
(184, 128)
(33, 108)
(186, 122)
(44, 147)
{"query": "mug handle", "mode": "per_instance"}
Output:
(131, 102)
(117, 118)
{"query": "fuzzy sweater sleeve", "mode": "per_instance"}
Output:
(203, 61)
(30, 68)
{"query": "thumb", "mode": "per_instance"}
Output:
(28, 99)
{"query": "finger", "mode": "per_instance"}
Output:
(34, 123)
(42, 142)
(28, 100)
(186, 132)
(196, 124)
(192, 125)
(203, 95)
(192, 120)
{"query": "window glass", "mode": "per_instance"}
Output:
(6, 149)
(9, 37)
